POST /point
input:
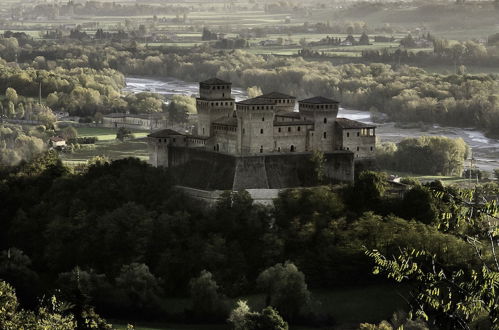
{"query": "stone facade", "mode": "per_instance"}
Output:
(256, 130)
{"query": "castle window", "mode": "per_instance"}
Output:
(358, 148)
(263, 118)
(325, 120)
(292, 148)
(348, 134)
(325, 134)
(358, 133)
(174, 139)
(289, 129)
(279, 149)
(371, 148)
(261, 149)
(299, 128)
(261, 131)
(279, 130)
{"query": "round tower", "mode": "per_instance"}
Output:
(322, 112)
(214, 102)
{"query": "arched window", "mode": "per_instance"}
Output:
(292, 148)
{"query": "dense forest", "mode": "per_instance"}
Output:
(122, 235)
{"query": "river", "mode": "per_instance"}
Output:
(485, 150)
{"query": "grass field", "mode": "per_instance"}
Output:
(348, 306)
(107, 146)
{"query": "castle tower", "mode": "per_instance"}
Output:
(255, 126)
(214, 102)
(322, 112)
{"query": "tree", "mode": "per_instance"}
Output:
(496, 173)
(242, 318)
(69, 133)
(180, 107)
(20, 111)
(285, 288)
(52, 315)
(140, 286)
(11, 95)
(368, 190)
(123, 134)
(15, 267)
(364, 39)
(11, 110)
(207, 302)
(447, 296)
(254, 91)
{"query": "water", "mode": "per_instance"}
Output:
(485, 150)
(170, 87)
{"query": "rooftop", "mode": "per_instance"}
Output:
(164, 133)
(215, 81)
(288, 114)
(256, 101)
(319, 100)
(276, 95)
(347, 123)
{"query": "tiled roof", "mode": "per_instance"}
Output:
(256, 101)
(288, 114)
(164, 133)
(215, 81)
(276, 95)
(319, 100)
(347, 123)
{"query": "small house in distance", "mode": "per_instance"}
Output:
(57, 142)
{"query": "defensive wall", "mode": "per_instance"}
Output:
(212, 171)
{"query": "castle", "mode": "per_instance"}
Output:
(263, 136)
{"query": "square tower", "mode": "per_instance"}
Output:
(322, 112)
(214, 102)
(256, 126)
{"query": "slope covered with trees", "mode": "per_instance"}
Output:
(129, 241)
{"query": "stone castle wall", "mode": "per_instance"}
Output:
(206, 170)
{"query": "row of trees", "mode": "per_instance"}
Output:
(430, 155)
